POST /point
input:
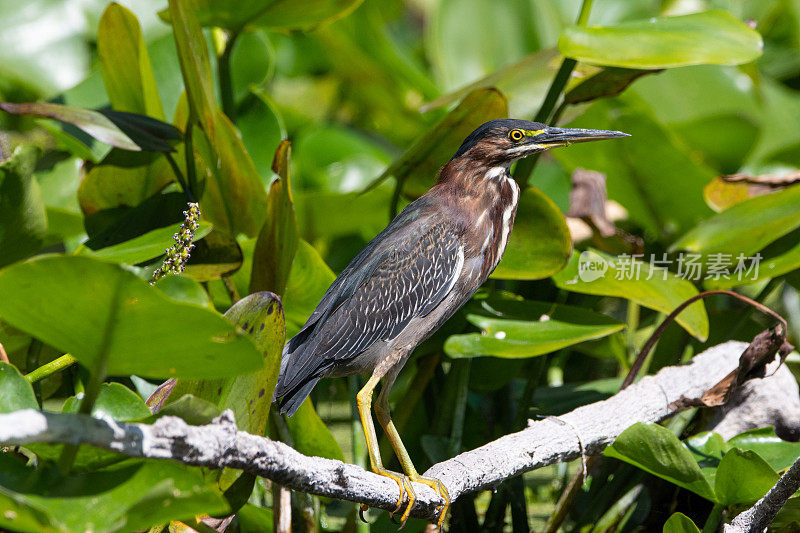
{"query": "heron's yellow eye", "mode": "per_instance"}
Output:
(516, 135)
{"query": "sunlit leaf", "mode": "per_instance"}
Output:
(147, 246)
(656, 450)
(714, 37)
(540, 243)
(125, 63)
(114, 401)
(778, 453)
(96, 310)
(594, 272)
(680, 523)
(513, 329)
(743, 477)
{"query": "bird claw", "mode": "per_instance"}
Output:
(441, 490)
(361, 510)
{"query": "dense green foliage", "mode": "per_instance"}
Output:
(118, 120)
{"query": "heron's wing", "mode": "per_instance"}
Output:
(409, 279)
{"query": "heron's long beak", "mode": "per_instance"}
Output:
(552, 137)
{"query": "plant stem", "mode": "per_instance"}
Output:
(188, 148)
(525, 167)
(712, 523)
(32, 361)
(48, 369)
(225, 80)
(179, 176)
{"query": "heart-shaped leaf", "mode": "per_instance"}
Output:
(15, 391)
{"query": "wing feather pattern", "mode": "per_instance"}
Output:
(396, 283)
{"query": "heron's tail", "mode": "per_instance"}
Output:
(289, 401)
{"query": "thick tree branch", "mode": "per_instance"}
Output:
(542, 443)
(759, 516)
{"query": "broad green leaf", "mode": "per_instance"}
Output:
(128, 131)
(277, 241)
(96, 310)
(418, 165)
(139, 249)
(123, 179)
(58, 184)
(114, 401)
(747, 226)
(524, 84)
(743, 477)
(234, 199)
(131, 496)
(125, 63)
(15, 391)
(540, 243)
(637, 167)
(779, 454)
(680, 523)
(260, 315)
(707, 448)
(296, 15)
(253, 519)
(309, 278)
(593, 272)
(194, 60)
(184, 289)
(656, 450)
(333, 215)
(261, 126)
(23, 221)
(712, 37)
(191, 409)
(528, 329)
(310, 435)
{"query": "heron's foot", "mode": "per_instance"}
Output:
(406, 492)
(441, 490)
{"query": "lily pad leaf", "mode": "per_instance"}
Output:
(743, 477)
(713, 37)
(93, 309)
(528, 329)
(594, 272)
(656, 450)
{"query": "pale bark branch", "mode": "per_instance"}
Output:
(542, 443)
(759, 516)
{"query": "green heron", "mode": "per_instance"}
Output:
(412, 277)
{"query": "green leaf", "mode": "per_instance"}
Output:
(139, 249)
(193, 410)
(15, 391)
(254, 519)
(194, 60)
(747, 226)
(528, 329)
(125, 63)
(277, 240)
(216, 255)
(309, 279)
(680, 523)
(707, 448)
(310, 435)
(128, 131)
(95, 310)
(184, 289)
(714, 37)
(524, 83)
(656, 450)
(609, 81)
(295, 15)
(260, 315)
(418, 165)
(593, 272)
(540, 243)
(743, 477)
(779, 454)
(114, 401)
(131, 496)
(261, 125)
(23, 222)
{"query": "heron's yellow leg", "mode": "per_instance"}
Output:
(364, 403)
(385, 419)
